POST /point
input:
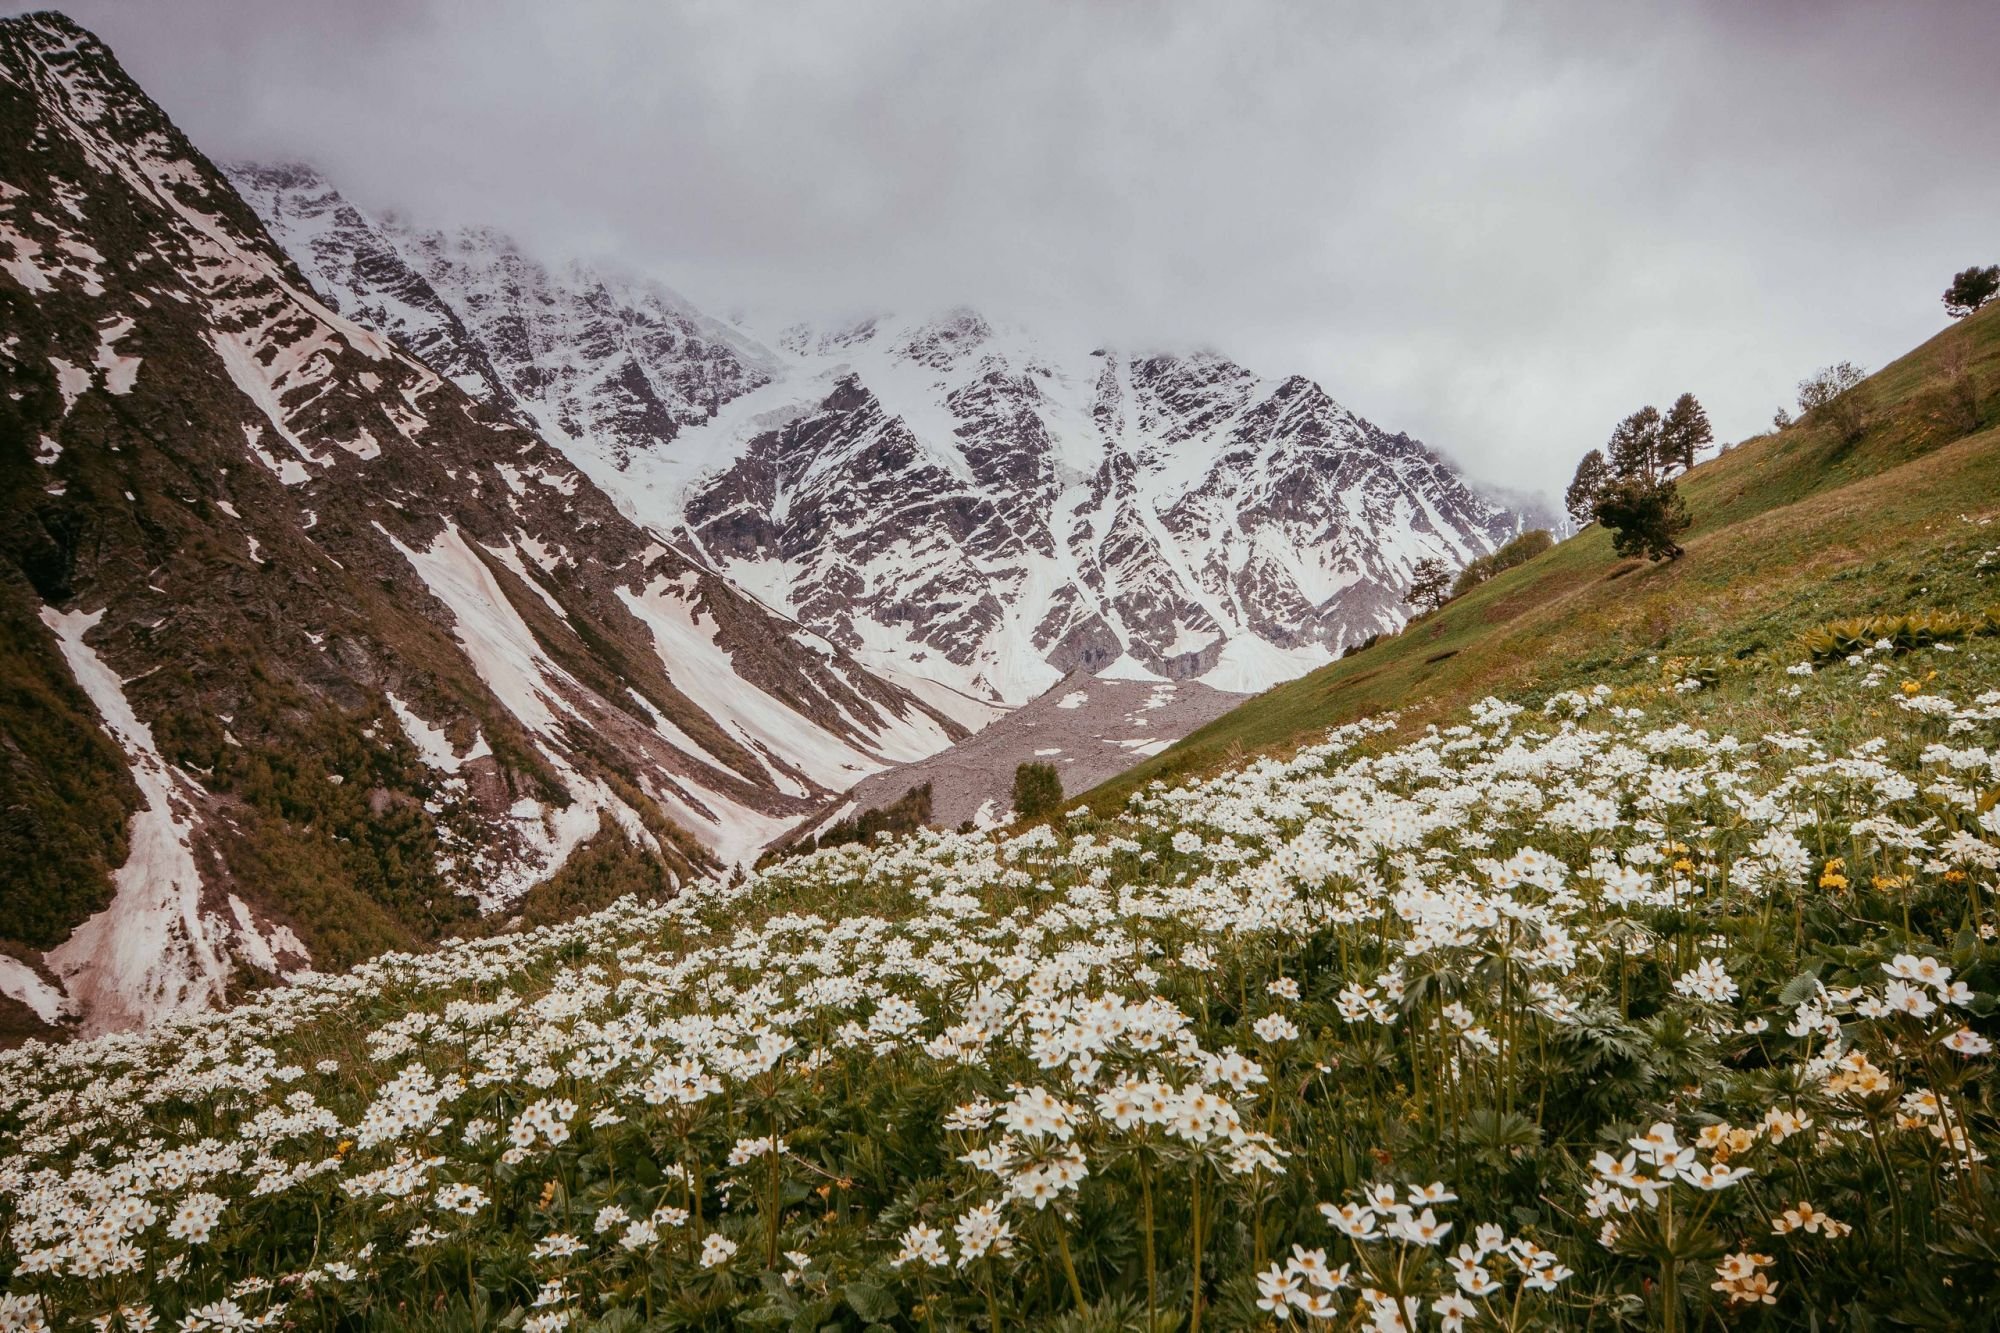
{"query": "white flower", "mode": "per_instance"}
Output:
(463, 1199)
(921, 1245)
(1275, 1028)
(1967, 1042)
(195, 1218)
(716, 1249)
(1708, 981)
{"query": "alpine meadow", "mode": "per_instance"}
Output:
(532, 801)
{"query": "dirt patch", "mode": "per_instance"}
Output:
(1089, 728)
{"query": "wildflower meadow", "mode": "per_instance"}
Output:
(1593, 1014)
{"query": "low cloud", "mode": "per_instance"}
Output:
(1499, 227)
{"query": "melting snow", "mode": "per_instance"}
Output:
(154, 951)
(433, 746)
(120, 372)
(72, 380)
(20, 982)
(702, 669)
(22, 267)
(1249, 665)
(1126, 668)
(1074, 699)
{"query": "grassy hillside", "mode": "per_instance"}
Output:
(1669, 1004)
(1791, 530)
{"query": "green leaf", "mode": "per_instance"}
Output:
(1800, 988)
(869, 1301)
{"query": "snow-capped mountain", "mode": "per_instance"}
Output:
(958, 504)
(308, 650)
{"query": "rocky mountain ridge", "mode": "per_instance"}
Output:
(961, 504)
(310, 653)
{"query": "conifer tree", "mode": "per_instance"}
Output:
(1430, 584)
(1635, 446)
(1684, 433)
(1581, 498)
(1644, 517)
(1037, 790)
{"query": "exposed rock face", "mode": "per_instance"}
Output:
(953, 502)
(312, 640)
(957, 498)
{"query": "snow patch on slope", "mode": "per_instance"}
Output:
(22, 983)
(157, 949)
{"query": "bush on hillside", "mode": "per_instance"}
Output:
(1970, 289)
(1827, 397)
(1643, 518)
(1516, 552)
(1037, 790)
(1430, 584)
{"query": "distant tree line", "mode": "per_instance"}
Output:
(1628, 485)
(908, 813)
(1432, 582)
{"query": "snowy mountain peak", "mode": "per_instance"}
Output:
(946, 496)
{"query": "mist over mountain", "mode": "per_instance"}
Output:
(955, 500)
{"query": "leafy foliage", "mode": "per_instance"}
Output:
(1643, 517)
(1829, 395)
(1037, 790)
(1517, 551)
(1430, 584)
(1970, 289)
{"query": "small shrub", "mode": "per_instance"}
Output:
(1516, 552)
(1644, 518)
(1037, 790)
(1828, 397)
(1970, 289)
(1838, 639)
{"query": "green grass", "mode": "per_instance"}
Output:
(1790, 530)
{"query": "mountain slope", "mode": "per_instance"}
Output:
(310, 653)
(949, 500)
(1790, 531)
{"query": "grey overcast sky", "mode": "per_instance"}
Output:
(1499, 226)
